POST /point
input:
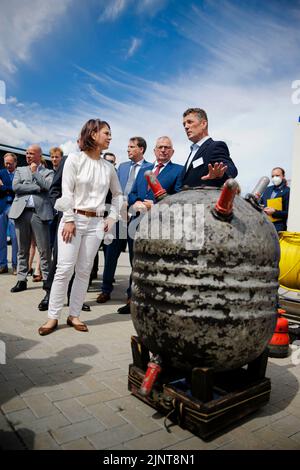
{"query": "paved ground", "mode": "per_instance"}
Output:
(69, 390)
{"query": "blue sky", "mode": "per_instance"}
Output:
(140, 63)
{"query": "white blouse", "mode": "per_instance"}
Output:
(85, 184)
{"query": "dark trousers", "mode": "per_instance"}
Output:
(111, 256)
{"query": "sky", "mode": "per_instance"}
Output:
(139, 64)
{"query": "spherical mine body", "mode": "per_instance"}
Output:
(205, 290)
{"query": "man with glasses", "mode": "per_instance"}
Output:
(32, 211)
(6, 199)
(169, 175)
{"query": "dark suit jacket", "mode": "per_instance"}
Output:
(55, 190)
(282, 191)
(170, 178)
(211, 152)
(5, 189)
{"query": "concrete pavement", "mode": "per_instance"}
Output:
(68, 390)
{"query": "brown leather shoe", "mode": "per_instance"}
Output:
(43, 331)
(102, 298)
(81, 327)
(37, 278)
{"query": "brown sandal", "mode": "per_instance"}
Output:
(81, 327)
(45, 330)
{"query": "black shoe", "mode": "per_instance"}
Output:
(43, 305)
(86, 308)
(21, 285)
(125, 309)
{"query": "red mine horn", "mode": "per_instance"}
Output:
(158, 191)
(223, 208)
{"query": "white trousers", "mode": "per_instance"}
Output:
(79, 254)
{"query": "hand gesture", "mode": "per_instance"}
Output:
(108, 224)
(216, 171)
(33, 167)
(148, 203)
(269, 210)
(139, 206)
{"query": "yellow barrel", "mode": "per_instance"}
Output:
(289, 265)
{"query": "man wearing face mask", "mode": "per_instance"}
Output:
(275, 200)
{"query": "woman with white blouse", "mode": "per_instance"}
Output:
(86, 180)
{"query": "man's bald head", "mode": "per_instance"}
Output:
(34, 154)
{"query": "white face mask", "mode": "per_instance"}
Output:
(277, 180)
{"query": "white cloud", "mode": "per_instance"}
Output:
(69, 146)
(16, 133)
(2, 92)
(244, 41)
(113, 10)
(135, 44)
(257, 122)
(13, 100)
(254, 116)
(151, 6)
(22, 24)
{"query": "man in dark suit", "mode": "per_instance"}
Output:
(6, 198)
(209, 163)
(55, 192)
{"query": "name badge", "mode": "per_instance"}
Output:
(198, 162)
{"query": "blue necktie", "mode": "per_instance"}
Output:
(131, 179)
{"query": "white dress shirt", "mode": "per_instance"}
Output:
(85, 184)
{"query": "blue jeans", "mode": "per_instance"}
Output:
(6, 223)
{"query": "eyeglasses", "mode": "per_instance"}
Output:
(161, 147)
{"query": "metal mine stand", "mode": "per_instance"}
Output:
(202, 401)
